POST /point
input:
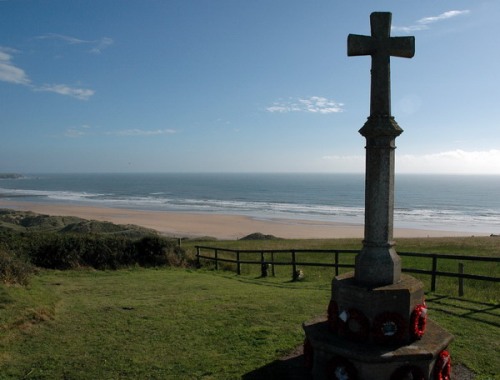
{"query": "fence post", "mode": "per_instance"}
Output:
(216, 254)
(238, 264)
(294, 267)
(198, 264)
(263, 265)
(336, 263)
(434, 270)
(460, 280)
(272, 264)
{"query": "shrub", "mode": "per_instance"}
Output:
(55, 252)
(14, 270)
(152, 251)
(69, 251)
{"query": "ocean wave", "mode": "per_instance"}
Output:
(464, 218)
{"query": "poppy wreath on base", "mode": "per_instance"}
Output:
(308, 354)
(354, 324)
(408, 372)
(341, 369)
(442, 368)
(388, 328)
(418, 321)
(333, 316)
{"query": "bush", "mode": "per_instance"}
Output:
(56, 252)
(158, 251)
(14, 270)
(72, 251)
(69, 251)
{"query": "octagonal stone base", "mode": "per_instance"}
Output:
(373, 361)
(399, 299)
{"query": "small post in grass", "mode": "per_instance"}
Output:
(272, 264)
(238, 264)
(294, 267)
(263, 265)
(434, 270)
(460, 280)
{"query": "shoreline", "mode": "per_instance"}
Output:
(220, 226)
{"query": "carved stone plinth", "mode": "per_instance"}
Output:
(388, 307)
(369, 361)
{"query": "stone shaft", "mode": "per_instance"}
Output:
(378, 263)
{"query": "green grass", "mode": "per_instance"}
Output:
(183, 324)
(467, 246)
(149, 324)
(201, 324)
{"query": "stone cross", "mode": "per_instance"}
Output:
(378, 263)
(381, 47)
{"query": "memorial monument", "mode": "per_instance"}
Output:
(377, 326)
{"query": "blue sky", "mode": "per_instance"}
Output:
(241, 86)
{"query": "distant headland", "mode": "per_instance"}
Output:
(10, 176)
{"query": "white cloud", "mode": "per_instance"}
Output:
(8, 71)
(314, 104)
(442, 16)
(68, 39)
(451, 162)
(101, 44)
(142, 132)
(86, 130)
(13, 74)
(96, 46)
(454, 161)
(423, 23)
(75, 132)
(62, 89)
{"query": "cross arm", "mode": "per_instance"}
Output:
(402, 47)
(360, 45)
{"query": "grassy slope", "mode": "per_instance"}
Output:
(149, 324)
(185, 324)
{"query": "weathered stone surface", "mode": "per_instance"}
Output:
(400, 298)
(378, 263)
(373, 361)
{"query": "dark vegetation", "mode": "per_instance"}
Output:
(259, 236)
(29, 241)
(10, 176)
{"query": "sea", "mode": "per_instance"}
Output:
(468, 203)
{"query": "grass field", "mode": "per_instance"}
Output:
(200, 324)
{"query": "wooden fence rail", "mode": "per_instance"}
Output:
(335, 253)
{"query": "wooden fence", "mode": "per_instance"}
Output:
(266, 259)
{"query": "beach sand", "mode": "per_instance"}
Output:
(219, 226)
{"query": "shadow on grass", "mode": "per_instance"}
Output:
(483, 312)
(291, 368)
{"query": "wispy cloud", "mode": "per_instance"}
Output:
(87, 130)
(452, 161)
(75, 132)
(96, 46)
(456, 161)
(141, 132)
(314, 104)
(423, 23)
(62, 89)
(10, 72)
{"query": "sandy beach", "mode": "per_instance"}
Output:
(219, 226)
